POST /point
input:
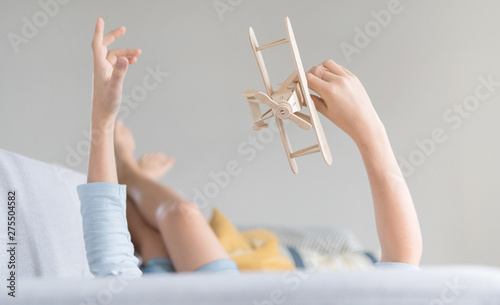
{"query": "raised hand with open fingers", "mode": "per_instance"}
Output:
(343, 99)
(110, 68)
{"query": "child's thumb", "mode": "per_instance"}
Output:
(119, 71)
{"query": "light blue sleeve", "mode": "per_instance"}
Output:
(107, 240)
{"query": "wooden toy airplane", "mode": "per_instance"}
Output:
(287, 101)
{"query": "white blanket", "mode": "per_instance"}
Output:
(457, 285)
(48, 225)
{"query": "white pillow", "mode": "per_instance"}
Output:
(48, 225)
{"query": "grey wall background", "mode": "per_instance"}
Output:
(427, 59)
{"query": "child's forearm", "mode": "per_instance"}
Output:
(102, 167)
(397, 223)
(110, 67)
(344, 101)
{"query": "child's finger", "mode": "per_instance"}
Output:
(323, 73)
(317, 84)
(320, 104)
(118, 75)
(347, 71)
(125, 52)
(334, 67)
(114, 54)
(113, 35)
(97, 39)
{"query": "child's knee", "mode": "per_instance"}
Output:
(180, 210)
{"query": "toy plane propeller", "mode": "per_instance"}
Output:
(287, 101)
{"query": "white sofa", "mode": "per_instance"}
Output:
(51, 266)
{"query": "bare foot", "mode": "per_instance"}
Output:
(156, 165)
(124, 149)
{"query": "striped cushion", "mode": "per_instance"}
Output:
(319, 247)
(322, 238)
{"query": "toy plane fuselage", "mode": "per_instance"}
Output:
(287, 101)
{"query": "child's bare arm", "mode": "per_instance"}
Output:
(107, 240)
(345, 102)
(110, 68)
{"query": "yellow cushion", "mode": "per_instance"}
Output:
(253, 250)
(228, 235)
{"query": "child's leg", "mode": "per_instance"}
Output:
(190, 241)
(147, 241)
